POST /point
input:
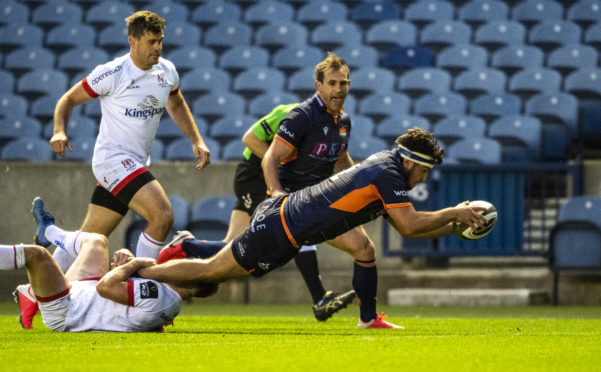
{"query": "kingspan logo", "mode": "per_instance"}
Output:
(147, 108)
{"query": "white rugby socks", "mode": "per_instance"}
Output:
(148, 247)
(12, 257)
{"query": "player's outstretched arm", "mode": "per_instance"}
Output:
(182, 117)
(62, 113)
(113, 285)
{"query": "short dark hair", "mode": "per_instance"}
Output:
(421, 141)
(331, 61)
(142, 21)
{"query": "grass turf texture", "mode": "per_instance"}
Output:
(276, 338)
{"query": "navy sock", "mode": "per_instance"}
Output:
(202, 248)
(365, 284)
(307, 265)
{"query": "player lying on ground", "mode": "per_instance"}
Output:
(88, 297)
(376, 187)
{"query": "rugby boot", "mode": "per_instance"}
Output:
(28, 305)
(43, 219)
(174, 250)
(331, 303)
(378, 322)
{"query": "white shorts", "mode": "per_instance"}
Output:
(117, 170)
(54, 313)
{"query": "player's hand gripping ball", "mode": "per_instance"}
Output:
(463, 231)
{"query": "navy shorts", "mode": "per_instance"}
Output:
(264, 246)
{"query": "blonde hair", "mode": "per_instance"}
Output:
(331, 61)
(142, 21)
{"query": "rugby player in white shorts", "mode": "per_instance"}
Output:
(88, 297)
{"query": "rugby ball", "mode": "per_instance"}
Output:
(463, 231)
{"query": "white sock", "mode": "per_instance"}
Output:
(63, 259)
(68, 241)
(147, 246)
(12, 257)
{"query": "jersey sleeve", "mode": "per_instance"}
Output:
(392, 190)
(266, 127)
(101, 81)
(173, 77)
(293, 128)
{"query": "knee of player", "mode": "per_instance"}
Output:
(36, 253)
(162, 220)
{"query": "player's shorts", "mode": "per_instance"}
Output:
(264, 246)
(119, 176)
(249, 187)
(54, 311)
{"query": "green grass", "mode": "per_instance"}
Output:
(287, 338)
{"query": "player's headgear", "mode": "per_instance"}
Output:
(416, 157)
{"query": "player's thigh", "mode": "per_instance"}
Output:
(100, 220)
(45, 276)
(239, 221)
(356, 242)
(151, 202)
(93, 258)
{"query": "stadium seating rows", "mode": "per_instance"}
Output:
(431, 63)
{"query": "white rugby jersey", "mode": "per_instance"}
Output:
(152, 305)
(132, 102)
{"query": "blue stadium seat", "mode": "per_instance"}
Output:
(16, 126)
(15, 35)
(406, 57)
(592, 35)
(13, 12)
(473, 82)
(444, 33)
(520, 137)
(585, 12)
(205, 80)
(429, 11)
(514, 57)
(493, 105)
(362, 147)
(157, 151)
(552, 106)
(302, 82)
(56, 12)
(103, 14)
(571, 57)
(358, 56)
(82, 149)
(70, 35)
(363, 126)
(228, 34)
(584, 83)
(350, 104)
(435, 106)
(276, 35)
(244, 56)
(316, 12)
(29, 58)
(453, 128)
(32, 149)
(256, 80)
(495, 34)
(11, 104)
(535, 80)
(372, 80)
(174, 13)
(190, 57)
(231, 127)
(553, 33)
(233, 150)
(386, 34)
(476, 12)
(7, 82)
(382, 105)
(78, 126)
(181, 35)
(476, 150)
(264, 103)
(209, 217)
(294, 58)
(42, 81)
(334, 34)
(529, 12)
(460, 57)
(216, 11)
(113, 38)
(168, 131)
(216, 105)
(419, 81)
(181, 149)
(389, 129)
(368, 13)
(91, 108)
(268, 11)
